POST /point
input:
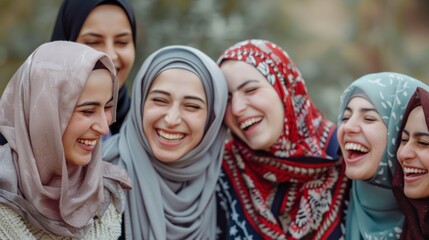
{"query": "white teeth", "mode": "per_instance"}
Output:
(414, 170)
(356, 147)
(170, 136)
(88, 142)
(249, 122)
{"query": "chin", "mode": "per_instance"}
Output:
(166, 159)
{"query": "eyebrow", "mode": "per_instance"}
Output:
(93, 103)
(244, 84)
(186, 97)
(363, 110)
(125, 34)
(417, 134)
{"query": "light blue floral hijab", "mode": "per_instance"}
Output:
(373, 212)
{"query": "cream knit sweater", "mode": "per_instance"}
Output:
(13, 226)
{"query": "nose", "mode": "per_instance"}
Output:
(351, 126)
(101, 124)
(238, 104)
(405, 152)
(172, 116)
(111, 51)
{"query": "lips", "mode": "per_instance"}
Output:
(355, 150)
(170, 136)
(87, 142)
(413, 171)
(250, 122)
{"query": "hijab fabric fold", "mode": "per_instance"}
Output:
(71, 17)
(416, 211)
(297, 165)
(174, 200)
(35, 109)
(373, 212)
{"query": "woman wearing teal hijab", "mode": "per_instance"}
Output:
(370, 113)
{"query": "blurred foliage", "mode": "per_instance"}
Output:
(332, 42)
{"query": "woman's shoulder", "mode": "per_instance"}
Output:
(14, 226)
(108, 226)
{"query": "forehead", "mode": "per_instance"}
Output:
(99, 85)
(416, 120)
(237, 72)
(173, 80)
(357, 102)
(106, 17)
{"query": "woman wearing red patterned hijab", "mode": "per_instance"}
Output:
(281, 175)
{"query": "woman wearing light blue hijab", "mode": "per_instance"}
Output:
(370, 113)
(171, 198)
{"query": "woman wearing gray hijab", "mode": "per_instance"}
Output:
(171, 144)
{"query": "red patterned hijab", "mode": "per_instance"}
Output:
(305, 130)
(314, 179)
(416, 211)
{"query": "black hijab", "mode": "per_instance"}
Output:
(73, 13)
(71, 16)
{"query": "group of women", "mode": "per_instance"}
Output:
(241, 152)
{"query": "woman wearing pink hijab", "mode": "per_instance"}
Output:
(53, 183)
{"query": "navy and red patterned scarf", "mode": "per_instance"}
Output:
(310, 182)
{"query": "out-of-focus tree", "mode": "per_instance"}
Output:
(332, 42)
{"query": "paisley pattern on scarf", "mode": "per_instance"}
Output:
(296, 190)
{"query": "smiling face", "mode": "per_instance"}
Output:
(255, 111)
(90, 119)
(174, 116)
(362, 136)
(108, 30)
(413, 155)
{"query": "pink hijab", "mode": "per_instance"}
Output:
(34, 112)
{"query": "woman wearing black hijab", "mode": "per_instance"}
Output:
(108, 26)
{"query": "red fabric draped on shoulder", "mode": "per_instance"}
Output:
(313, 181)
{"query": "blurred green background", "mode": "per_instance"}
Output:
(332, 42)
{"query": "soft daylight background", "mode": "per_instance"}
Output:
(332, 42)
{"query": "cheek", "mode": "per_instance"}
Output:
(228, 117)
(340, 134)
(277, 113)
(197, 128)
(128, 56)
(109, 117)
(423, 156)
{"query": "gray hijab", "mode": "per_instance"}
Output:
(174, 200)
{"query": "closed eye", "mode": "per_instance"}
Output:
(193, 107)
(159, 100)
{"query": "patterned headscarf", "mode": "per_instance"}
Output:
(35, 109)
(174, 200)
(299, 157)
(416, 211)
(373, 211)
(305, 129)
